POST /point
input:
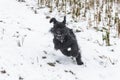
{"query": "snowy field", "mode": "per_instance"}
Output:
(27, 53)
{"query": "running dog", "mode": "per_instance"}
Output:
(65, 40)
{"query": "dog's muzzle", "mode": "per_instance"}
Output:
(60, 38)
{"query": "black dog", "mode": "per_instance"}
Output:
(65, 39)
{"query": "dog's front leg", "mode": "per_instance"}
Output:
(75, 53)
(78, 59)
(57, 44)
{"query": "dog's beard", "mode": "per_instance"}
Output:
(60, 38)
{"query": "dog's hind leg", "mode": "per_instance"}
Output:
(78, 59)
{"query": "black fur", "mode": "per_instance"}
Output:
(64, 38)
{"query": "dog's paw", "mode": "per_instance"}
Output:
(80, 63)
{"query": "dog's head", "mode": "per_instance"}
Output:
(59, 29)
(58, 24)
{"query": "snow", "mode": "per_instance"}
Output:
(27, 53)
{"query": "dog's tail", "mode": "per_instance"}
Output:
(53, 20)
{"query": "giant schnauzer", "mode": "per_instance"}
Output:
(65, 40)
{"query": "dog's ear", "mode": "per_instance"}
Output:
(64, 21)
(53, 20)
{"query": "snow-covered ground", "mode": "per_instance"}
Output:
(27, 53)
